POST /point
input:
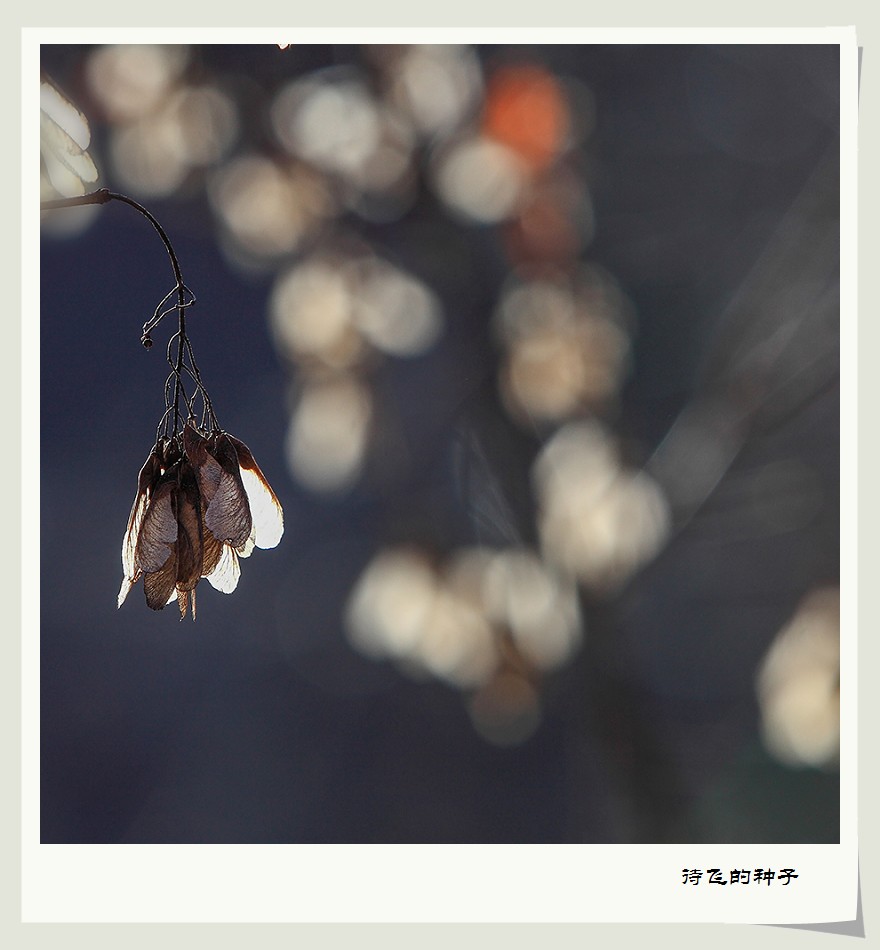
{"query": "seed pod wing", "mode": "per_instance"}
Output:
(266, 512)
(158, 531)
(160, 586)
(226, 572)
(227, 514)
(147, 479)
(189, 530)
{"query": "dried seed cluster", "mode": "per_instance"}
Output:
(202, 503)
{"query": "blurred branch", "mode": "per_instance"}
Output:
(777, 350)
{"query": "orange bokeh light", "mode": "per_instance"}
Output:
(526, 110)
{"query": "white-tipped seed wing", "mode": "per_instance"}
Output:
(266, 512)
(125, 589)
(227, 571)
(246, 549)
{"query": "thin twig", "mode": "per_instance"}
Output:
(184, 348)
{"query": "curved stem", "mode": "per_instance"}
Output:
(102, 196)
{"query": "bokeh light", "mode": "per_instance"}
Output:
(208, 121)
(402, 608)
(565, 346)
(506, 711)
(465, 618)
(395, 311)
(598, 520)
(331, 314)
(149, 156)
(480, 180)
(526, 110)
(388, 605)
(156, 152)
(329, 432)
(267, 209)
(799, 684)
(438, 87)
(554, 224)
(334, 123)
(522, 595)
(129, 82)
(162, 129)
(312, 310)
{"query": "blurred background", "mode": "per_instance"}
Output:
(538, 347)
